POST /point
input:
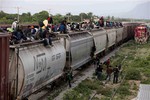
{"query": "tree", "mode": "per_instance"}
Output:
(90, 15)
(83, 16)
(108, 17)
(26, 17)
(68, 15)
(57, 18)
(112, 18)
(41, 16)
(75, 18)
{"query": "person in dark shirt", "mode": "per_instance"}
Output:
(116, 74)
(108, 71)
(99, 71)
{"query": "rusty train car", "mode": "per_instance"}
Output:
(33, 66)
(4, 66)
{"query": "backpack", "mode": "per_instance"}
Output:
(41, 24)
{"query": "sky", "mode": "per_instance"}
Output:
(97, 7)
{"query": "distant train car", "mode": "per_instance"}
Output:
(119, 35)
(141, 34)
(111, 36)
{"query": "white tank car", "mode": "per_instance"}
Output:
(119, 33)
(38, 65)
(79, 45)
(100, 40)
(111, 35)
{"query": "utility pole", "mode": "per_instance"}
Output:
(68, 15)
(81, 17)
(18, 14)
(49, 10)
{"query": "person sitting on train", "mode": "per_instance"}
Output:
(107, 24)
(55, 28)
(14, 25)
(101, 22)
(50, 20)
(120, 24)
(62, 28)
(47, 39)
(72, 26)
(17, 37)
(77, 26)
(90, 25)
(27, 31)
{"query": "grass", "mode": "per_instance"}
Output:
(133, 74)
(83, 90)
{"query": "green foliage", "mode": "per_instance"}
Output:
(41, 16)
(28, 18)
(73, 95)
(124, 91)
(126, 83)
(95, 98)
(106, 91)
(146, 71)
(133, 74)
(145, 81)
(135, 87)
(83, 88)
(57, 18)
(105, 98)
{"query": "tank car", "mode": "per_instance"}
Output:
(100, 40)
(119, 35)
(33, 65)
(78, 48)
(111, 36)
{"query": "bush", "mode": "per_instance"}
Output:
(107, 91)
(72, 95)
(124, 90)
(146, 72)
(83, 89)
(146, 81)
(133, 74)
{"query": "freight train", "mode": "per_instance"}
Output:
(33, 66)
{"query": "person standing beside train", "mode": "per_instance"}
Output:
(116, 74)
(99, 70)
(108, 72)
(69, 77)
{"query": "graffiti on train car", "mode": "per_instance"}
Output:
(40, 63)
(56, 57)
(39, 67)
